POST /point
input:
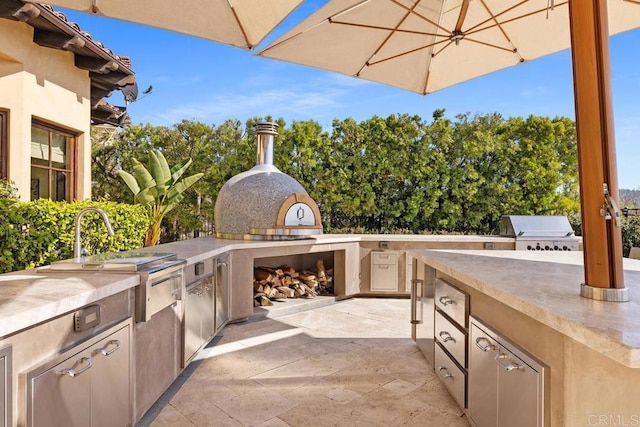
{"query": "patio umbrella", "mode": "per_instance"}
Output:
(240, 23)
(427, 45)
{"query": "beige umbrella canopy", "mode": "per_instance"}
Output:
(427, 45)
(241, 23)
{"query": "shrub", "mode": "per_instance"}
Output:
(630, 233)
(37, 233)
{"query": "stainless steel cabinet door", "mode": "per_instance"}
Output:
(222, 293)
(483, 379)
(61, 395)
(110, 381)
(207, 304)
(518, 392)
(5, 387)
(192, 332)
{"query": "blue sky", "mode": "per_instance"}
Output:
(201, 80)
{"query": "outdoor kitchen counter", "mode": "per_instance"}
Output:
(29, 297)
(545, 286)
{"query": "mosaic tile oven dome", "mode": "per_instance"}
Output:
(263, 203)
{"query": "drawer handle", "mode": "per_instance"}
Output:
(487, 347)
(507, 367)
(103, 351)
(446, 374)
(446, 300)
(446, 336)
(73, 373)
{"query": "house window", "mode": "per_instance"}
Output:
(52, 163)
(4, 143)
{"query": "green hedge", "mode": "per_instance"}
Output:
(37, 233)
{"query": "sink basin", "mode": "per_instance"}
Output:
(113, 261)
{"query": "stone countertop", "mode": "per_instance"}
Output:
(30, 296)
(195, 250)
(546, 286)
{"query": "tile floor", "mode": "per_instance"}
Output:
(351, 363)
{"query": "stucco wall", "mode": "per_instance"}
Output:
(42, 83)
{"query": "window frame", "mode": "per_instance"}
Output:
(71, 163)
(4, 143)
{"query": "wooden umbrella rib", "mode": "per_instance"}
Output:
(324, 21)
(397, 30)
(464, 8)
(424, 18)
(391, 33)
(244, 33)
(412, 51)
(495, 46)
(475, 28)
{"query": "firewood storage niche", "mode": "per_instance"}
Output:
(277, 280)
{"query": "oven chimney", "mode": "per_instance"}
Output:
(265, 134)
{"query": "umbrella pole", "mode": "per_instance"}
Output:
(602, 237)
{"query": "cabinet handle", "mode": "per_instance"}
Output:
(446, 336)
(446, 300)
(73, 373)
(507, 367)
(447, 374)
(414, 301)
(485, 348)
(103, 351)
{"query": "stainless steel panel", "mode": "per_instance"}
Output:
(199, 317)
(506, 385)
(518, 392)
(535, 225)
(158, 290)
(423, 290)
(222, 293)
(191, 324)
(60, 400)
(483, 379)
(451, 338)
(111, 397)
(453, 302)
(158, 353)
(69, 389)
(453, 378)
(6, 402)
(387, 258)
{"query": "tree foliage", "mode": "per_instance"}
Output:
(399, 173)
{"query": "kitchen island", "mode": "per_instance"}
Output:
(591, 348)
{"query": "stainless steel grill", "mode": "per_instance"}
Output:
(540, 232)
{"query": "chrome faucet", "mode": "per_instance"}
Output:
(78, 250)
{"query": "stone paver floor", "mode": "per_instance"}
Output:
(352, 364)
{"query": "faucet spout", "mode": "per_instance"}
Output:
(78, 251)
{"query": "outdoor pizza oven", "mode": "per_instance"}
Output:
(264, 203)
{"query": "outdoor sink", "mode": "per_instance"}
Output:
(129, 261)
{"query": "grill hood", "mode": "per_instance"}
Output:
(263, 203)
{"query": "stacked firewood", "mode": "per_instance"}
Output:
(285, 282)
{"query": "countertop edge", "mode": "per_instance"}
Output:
(586, 335)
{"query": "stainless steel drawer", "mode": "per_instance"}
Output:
(451, 338)
(453, 302)
(384, 258)
(453, 378)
